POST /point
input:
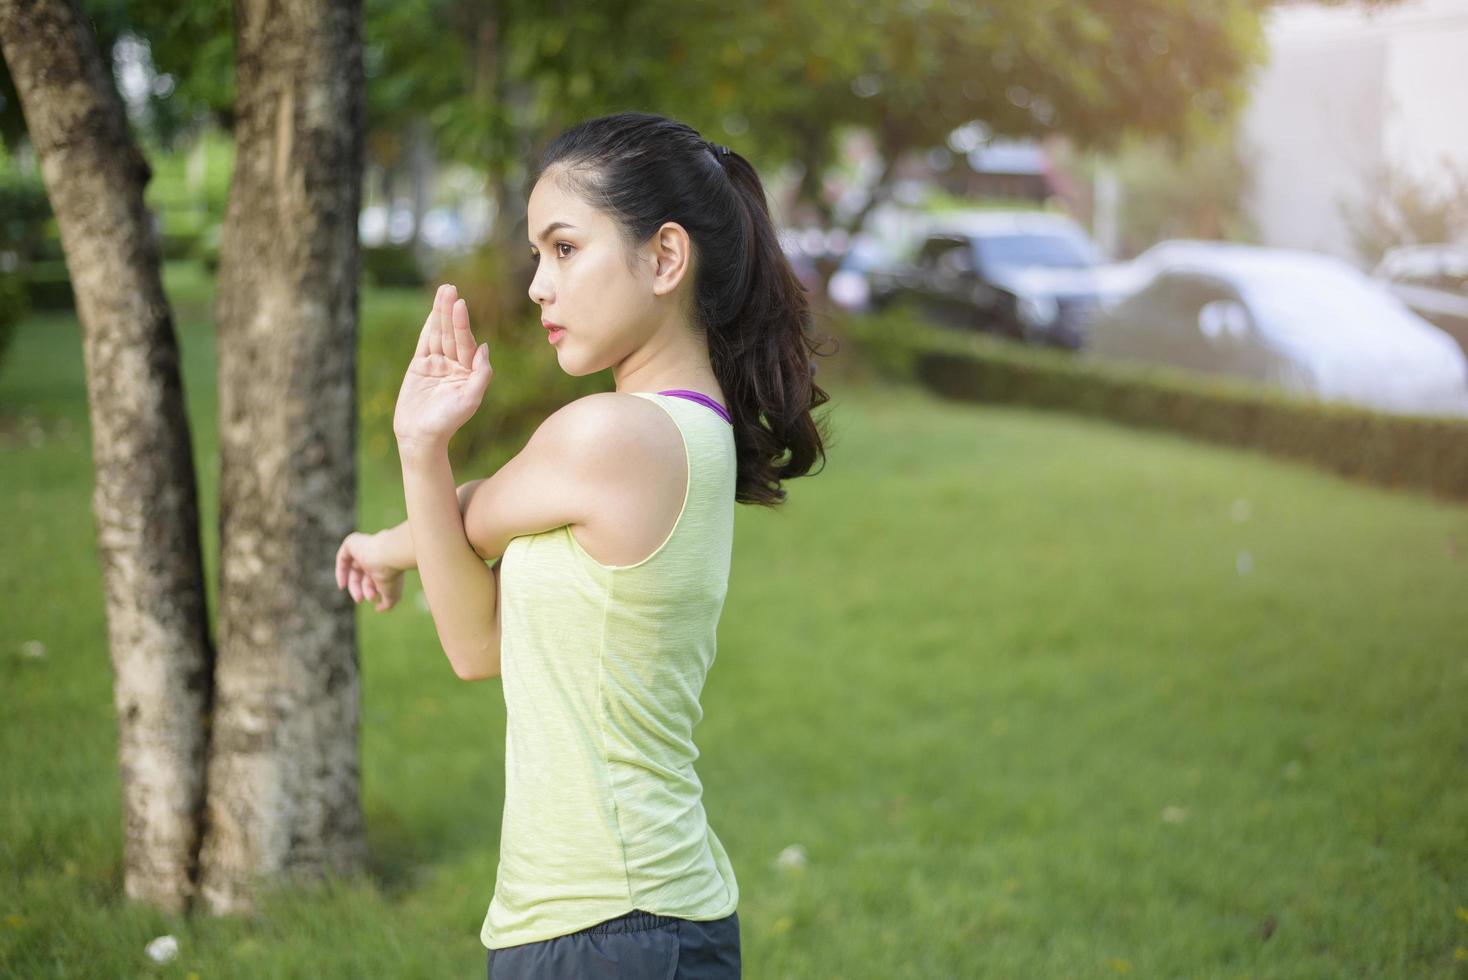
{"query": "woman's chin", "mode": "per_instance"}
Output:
(571, 365)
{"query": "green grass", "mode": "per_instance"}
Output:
(1002, 674)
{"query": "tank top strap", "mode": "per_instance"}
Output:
(701, 398)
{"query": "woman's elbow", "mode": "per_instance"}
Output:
(480, 667)
(477, 675)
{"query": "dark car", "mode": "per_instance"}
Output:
(1433, 281)
(1031, 276)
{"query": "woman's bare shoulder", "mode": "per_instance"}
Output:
(629, 435)
(641, 469)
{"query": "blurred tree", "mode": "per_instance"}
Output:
(190, 46)
(283, 795)
(276, 708)
(144, 501)
(490, 84)
(913, 74)
(1398, 207)
(1197, 191)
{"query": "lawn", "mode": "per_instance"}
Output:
(1037, 696)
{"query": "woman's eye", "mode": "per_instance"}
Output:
(558, 245)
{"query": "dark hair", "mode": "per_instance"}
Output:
(643, 170)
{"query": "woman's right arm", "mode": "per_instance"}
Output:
(371, 566)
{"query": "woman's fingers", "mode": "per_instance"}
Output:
(463, 336)
(354, 583)
(446, 324)
(425, 338)
(343, 559)
(369, 587)
(447, 331)
(435, 328)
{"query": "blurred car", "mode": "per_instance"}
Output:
(850, 286)
(1433, 281)
(809, 250)
(1302, 322)
(1033, 276)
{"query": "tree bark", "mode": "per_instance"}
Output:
(283, 763)
(144, 498)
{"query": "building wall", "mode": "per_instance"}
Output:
(1348, 91)
(1427, 87)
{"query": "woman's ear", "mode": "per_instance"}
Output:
(671, 256)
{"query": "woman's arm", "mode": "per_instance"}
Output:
(461, 589)
(395, 544)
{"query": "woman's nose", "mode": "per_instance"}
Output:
(538, 292)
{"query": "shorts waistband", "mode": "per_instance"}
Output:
(635, 921)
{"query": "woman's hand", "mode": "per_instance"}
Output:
(361, 571)
(446, 379)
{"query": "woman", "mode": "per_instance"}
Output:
(614, 526)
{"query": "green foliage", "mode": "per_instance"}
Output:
(206, 249)
(938, 200)
(181, 245)
(1427, 454)
(390, 322)
(191, 184)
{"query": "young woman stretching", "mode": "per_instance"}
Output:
(613, 528)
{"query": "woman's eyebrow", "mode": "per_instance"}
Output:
(552, 227)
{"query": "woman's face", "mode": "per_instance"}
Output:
(583, 284)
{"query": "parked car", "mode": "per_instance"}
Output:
(1032, 276)
(1433, 281)
(1299, 321)
(850, 285)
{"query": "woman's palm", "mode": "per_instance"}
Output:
(447, 376)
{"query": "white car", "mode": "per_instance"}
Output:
(1433, 281)
(1306, 323)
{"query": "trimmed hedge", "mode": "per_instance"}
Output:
(392, 265)
(24, 213)
(14, 305)
(24, 210)
(49, 285)
(1419, 452)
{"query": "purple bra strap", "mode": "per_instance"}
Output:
(701, 398)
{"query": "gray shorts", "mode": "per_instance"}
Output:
(635, 946)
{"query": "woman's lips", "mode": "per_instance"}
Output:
(554, 334)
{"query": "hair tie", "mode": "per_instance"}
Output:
(719, 149)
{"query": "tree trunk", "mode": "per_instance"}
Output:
(420, 186)
(283, 762)
(144, 497)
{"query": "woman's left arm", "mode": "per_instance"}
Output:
(442, 389)
(459, 586)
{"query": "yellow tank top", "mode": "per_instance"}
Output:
(602, 667)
